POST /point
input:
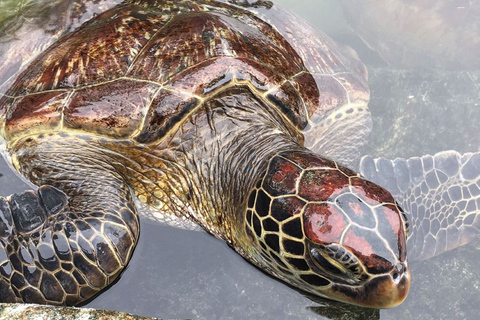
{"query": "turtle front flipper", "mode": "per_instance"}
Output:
(440, 195)
(67, 241)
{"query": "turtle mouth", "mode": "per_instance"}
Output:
(388, 290)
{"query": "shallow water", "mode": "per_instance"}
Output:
(183, 274)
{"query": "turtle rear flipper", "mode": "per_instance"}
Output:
(440, 195)
(67, 241)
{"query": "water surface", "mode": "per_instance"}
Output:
(183, 274)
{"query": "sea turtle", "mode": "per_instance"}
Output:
(205, 112)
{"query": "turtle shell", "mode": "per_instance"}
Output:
(34, 25)
(137, 70)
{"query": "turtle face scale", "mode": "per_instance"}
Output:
(324, 229)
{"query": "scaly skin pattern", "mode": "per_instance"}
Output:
(72, 237)
(198, 109)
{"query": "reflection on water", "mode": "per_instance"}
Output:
(176, 273)
(10, 7)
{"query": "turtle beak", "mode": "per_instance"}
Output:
(389, 290)
(380, 292)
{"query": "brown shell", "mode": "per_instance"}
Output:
(137, 70)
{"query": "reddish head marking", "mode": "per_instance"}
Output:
(372, 193)
(358, 243)
(323, 223)
(281, 177)
(321, 184)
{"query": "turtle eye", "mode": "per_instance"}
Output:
(337, 260)
(325, 264)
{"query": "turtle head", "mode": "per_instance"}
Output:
(328, 231)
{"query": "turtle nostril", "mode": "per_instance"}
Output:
(395, 276)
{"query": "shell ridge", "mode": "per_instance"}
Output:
(142, 50)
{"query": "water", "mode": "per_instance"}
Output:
(10, 7)
(183, 274)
